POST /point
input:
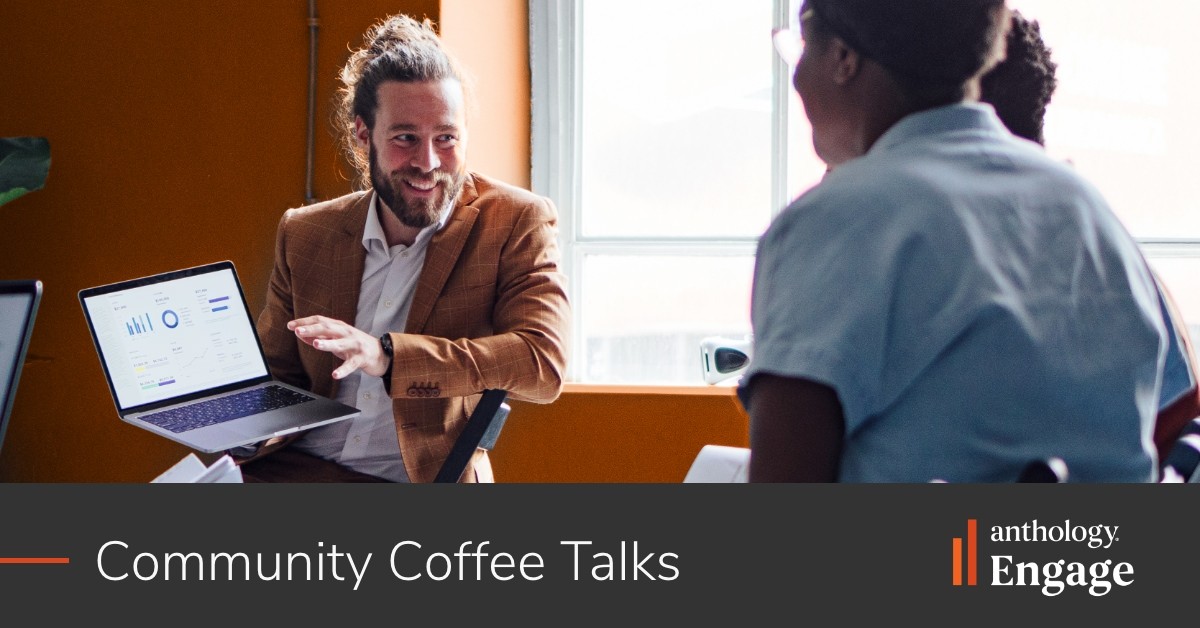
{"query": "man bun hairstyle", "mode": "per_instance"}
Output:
(398, 48)
(931, 48)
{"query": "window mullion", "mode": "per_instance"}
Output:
(555, 67)
(780, 95)
(1161, 247)
(712, 248)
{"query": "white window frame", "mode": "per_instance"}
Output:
(556, 68)
(555, 72)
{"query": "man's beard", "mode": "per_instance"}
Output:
(417, 213)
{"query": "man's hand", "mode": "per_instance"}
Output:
(356, 348)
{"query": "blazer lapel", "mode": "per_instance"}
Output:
(441, 257)
(348, 259)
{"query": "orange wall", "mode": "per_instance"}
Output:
(491, 40)
(177, 132)
(616, 436)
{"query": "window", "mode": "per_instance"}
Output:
(657, 131)
(668, 134)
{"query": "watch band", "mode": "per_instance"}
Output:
(385, 343)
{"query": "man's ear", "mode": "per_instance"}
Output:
(362, 134)
(847, 61)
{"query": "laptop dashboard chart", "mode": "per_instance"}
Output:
(169, 339)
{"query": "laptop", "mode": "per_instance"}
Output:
(183, 360)
(18, 306)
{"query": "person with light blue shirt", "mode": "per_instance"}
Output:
(1020, 89)
(949, 303)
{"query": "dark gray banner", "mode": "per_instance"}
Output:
(740, 555)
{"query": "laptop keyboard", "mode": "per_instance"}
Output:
(224, 409)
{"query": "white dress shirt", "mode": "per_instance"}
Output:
(368, 443)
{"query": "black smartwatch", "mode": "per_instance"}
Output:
(385, 343)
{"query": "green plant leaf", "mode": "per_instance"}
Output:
(12, 194)
(24, 165)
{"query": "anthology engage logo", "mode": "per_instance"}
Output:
(1052, 576)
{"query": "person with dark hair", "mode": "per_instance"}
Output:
(410, 298)
(1021, 86)
(949, 303)
(1020, 89)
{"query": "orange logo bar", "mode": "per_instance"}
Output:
(34, 561)
(972, 553)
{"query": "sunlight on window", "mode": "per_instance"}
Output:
(677, 118)
(677, 146)
(677, 165)
(1124, 112)
(644, 316)
(1181, 276)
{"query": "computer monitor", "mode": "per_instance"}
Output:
(18, 306)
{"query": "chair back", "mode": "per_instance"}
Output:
(482, 431)
(1046, 470)
(1182, 463)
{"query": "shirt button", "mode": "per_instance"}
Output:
(404, 254)
(367, 396)
(357, 440)
(387, 304)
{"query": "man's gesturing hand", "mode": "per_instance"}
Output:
(356, 348)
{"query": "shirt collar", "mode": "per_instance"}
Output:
(374, 229)
(966, 116)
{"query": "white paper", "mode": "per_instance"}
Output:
(190, 470)
(717, 464)
(186, 470)
(223, 471)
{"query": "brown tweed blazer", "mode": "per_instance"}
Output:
(490, 311)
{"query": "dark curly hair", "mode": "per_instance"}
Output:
(932, 48)
(1021, 87)
(398, 48)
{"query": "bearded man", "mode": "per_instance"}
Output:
(411, 297)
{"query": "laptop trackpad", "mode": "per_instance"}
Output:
(266, 425)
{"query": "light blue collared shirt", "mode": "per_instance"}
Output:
(974, 304)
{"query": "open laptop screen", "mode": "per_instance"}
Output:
(18, 306)
(163, 339)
